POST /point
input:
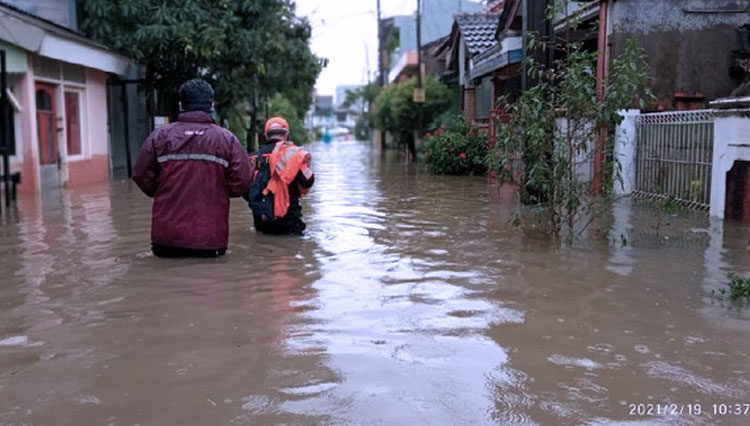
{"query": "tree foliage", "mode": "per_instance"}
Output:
(365, 95)
(552, 129)
(282, 107)
(249, 50)
(396, 112)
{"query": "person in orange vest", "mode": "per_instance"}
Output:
(282, 176)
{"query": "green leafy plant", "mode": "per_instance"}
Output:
(457, 149)
(739, 288)
(550, 137)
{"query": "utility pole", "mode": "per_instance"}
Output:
(419, 93)
(381, 77)
(601, 78)
(367, 61)
(381, 69)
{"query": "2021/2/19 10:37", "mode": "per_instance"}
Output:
(717, 409)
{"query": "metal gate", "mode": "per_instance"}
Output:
(674, 151)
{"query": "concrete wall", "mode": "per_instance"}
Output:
(584, 159)
(689, 51)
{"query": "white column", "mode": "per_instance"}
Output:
(625, 149)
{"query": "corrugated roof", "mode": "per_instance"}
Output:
(478, 31)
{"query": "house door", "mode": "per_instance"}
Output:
(46, 118)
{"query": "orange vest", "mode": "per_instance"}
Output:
(285, 162)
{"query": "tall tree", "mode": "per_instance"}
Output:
(249, 50)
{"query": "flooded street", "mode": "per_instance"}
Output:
(410, 301)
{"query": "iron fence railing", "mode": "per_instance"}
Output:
(674, 151)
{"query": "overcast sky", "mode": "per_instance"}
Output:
(344, 31)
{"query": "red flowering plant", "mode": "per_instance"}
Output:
(458, 148)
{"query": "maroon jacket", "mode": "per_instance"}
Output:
(191, 168)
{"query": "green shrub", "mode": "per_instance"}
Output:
(551, 132)
(458, 149)
(739, 288)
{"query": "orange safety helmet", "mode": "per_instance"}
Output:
(276, 124)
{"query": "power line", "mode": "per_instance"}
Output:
(335, 20)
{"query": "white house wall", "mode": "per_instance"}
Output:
(731, 143)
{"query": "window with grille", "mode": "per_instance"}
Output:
(74, 73)
(56, 70)
(47, 68)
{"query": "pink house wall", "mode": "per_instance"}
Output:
(95, 167)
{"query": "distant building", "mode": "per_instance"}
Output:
(348, 116)
(58, 84)
(322, 113)
(400, 32)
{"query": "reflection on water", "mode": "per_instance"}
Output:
(409, 301)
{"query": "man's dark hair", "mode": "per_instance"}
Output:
(196, 95)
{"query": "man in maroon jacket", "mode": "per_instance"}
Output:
(191, 168)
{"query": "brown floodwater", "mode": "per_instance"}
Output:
(410, 301)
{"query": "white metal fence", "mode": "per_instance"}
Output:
(673, 157)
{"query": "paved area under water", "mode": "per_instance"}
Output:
(410, 301)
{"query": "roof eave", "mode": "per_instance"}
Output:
(50, 40)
